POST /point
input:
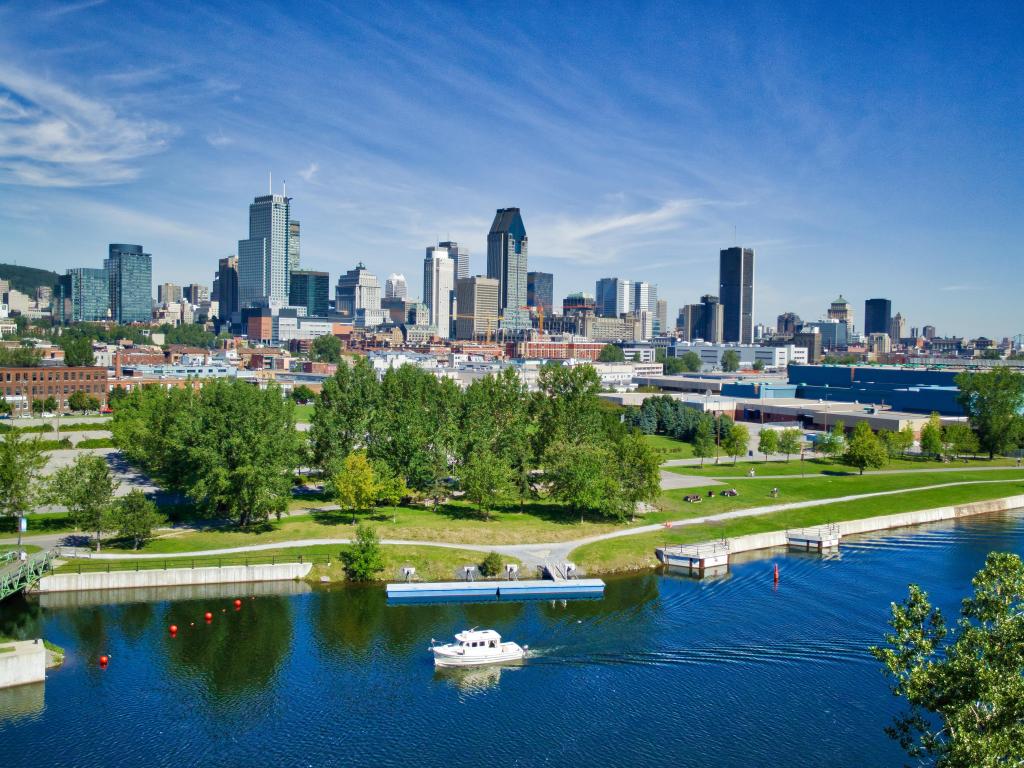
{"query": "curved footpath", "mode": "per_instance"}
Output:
(535, 554)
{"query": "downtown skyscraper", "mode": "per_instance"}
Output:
(264, 264)
(130, 283)
(506, 263)
(736, 292)
(439, 289)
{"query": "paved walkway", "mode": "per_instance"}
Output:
(535, 554)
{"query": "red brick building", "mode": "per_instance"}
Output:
(20, 386)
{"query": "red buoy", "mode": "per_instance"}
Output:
(104, 660)
(208, 616)
(776, 573)
(173, 629)
(238, 603)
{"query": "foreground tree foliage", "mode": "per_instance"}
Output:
(87, 489)
(363, 559)
(230, 447)
(865, 450)
(343, 412)
(994, 403)
(21, 460)
(964, 684)
(134, 517)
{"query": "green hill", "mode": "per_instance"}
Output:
(27, 279)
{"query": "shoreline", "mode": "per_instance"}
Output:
(206, 575)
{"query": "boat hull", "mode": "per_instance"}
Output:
(449, 656)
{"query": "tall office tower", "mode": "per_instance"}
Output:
(614, 296)
(877, 315)
(736, 291)
(168, 293)
(928, 331)
(264, 263)
(460, 255)
(82, 295)
(395, 287)
(661, 318)
(44, 296)
(898, 327)
(310, 290)
(227, 286)
(438, 289)
(506, 262)
(357, 289)
(840, 310)
(130, 272)
(294, 246)
(641, 303)
(703, 321)
(477, 300)
(787, 323)
(195, 293)
(540, 291)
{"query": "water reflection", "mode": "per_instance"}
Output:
(474, 679)
(22, 700)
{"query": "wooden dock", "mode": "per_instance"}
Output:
(818, 538)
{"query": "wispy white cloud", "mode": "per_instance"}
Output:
(219, 139)
(957, 288)
(309, 172)
(64, 10)
(51, 136)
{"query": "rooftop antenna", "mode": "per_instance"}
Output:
(284, 189)
(270, 183)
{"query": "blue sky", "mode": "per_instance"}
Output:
(868, 149)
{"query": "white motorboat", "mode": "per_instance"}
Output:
(475, 647)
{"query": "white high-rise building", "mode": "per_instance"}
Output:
(643, 307)
(614, 296)
(438, 288)
(460, 255)
(264, 266)
(395, 287)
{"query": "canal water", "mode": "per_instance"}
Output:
(667, 669)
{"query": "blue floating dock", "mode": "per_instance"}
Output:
(495, 590)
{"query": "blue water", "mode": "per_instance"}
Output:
(728, 672)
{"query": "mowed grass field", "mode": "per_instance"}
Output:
(547, 521)
(633, 552)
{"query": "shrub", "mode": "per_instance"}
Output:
(492, 565)
(363, 558)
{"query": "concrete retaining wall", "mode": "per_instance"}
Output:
(173, 577)
(26, 663)
(883, 522)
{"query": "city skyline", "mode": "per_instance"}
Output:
(166, 153)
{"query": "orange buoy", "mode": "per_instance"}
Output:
(104, 660)
(173, 629)
(208, 616)
(238, 603)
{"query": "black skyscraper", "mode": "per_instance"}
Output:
(736, 291)
(877, 315)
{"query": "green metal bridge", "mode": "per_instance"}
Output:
(17, 574)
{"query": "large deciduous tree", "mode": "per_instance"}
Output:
(963, 684)
(865, 450)
(994, 402)
(789, 442)
(931, 436)
(343, 412)
(21, 460)
(638, 472)
(87, 489)
(134, 517)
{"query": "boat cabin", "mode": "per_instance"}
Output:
(474, 638)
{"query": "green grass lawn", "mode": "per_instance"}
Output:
(304, 413)
(725, 467)
(431, 563)
(545, 520)
(38, 523)
(30, 548)
(633, 552)
(669, 448)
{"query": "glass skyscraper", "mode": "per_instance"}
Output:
(310, 290)
(877, 316)
(540, 291)
(130, 275)
(264, 265)
(506, 263)
(82, 295)
(736, 291)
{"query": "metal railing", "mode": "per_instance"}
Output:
(162, 564)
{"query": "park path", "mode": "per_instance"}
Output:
(907, 471)
(536, 554)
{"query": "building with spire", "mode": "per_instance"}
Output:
(507, 247)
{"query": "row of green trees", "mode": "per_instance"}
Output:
(230, 447)
(496, 439)
(86, 488)
(709, 435)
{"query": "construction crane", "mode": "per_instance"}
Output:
(487, 318)
(540, 318)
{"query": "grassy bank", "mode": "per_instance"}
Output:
(822, 466)
(668, 448)
(431, 563)
(304, 413)
(544, 520)
(633, 552)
